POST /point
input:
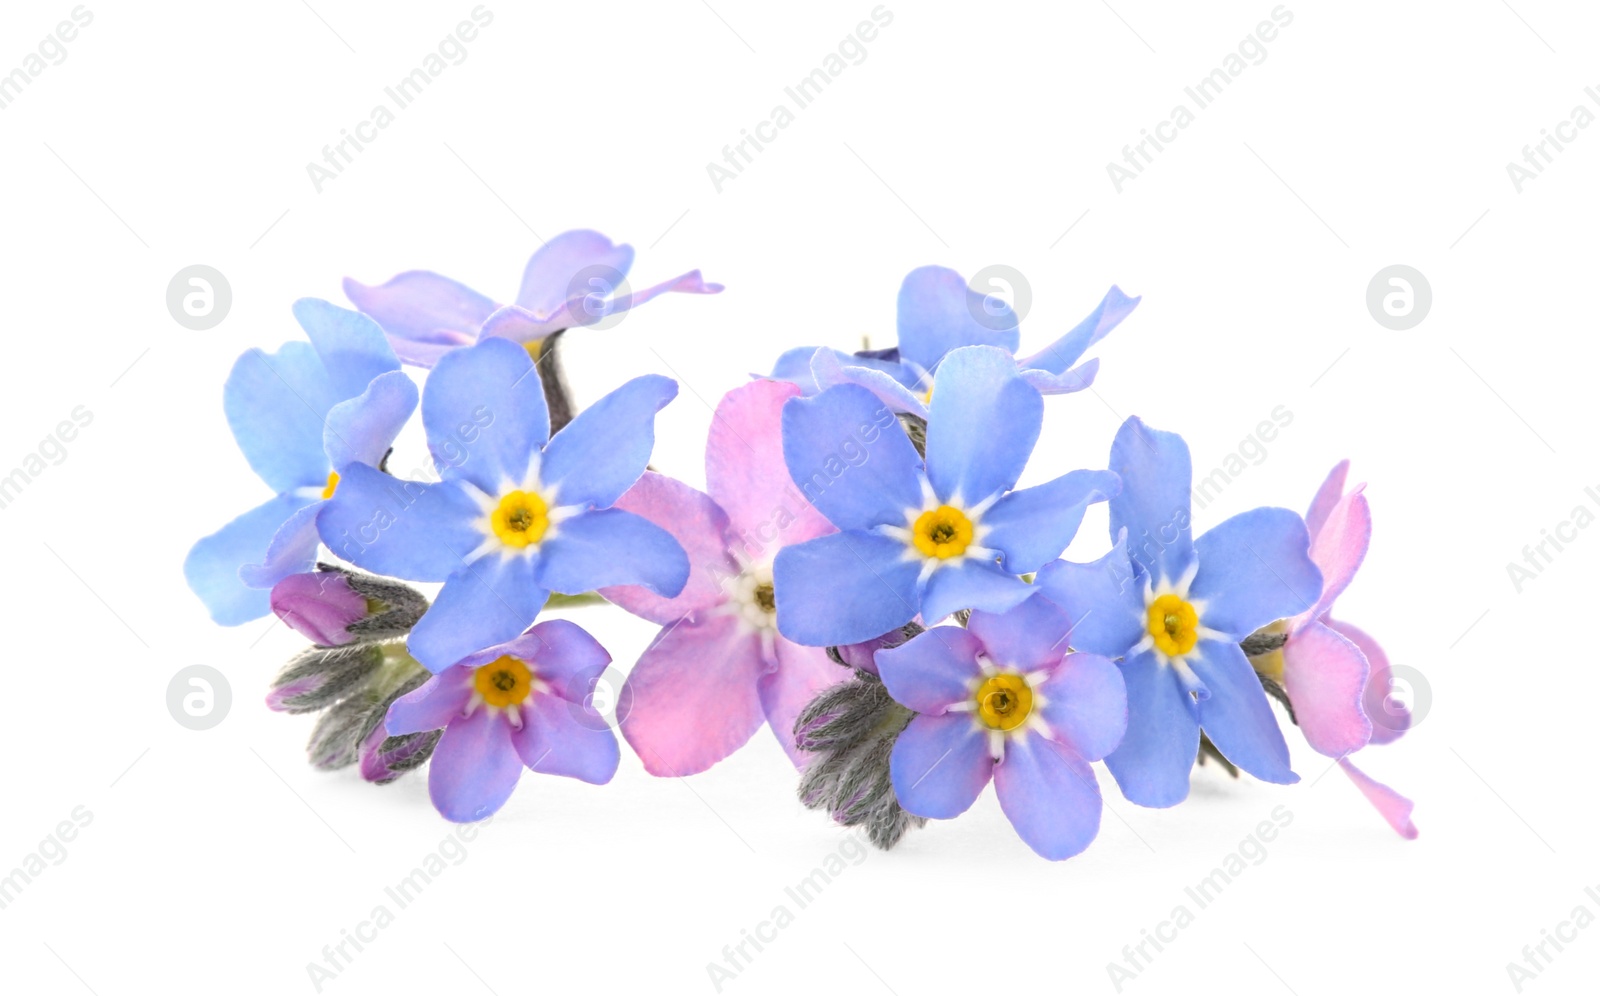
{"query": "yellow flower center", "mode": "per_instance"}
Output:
(333, 482)
(943, 532)
(521, 519)
(505, 681)
(534, 348)
(766, 598)
(1004, 702)
(1174, 624)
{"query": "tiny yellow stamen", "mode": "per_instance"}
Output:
(1270, 664)
(1174, 624)
(505, 681)
(521, 519)
(1004, 702)
(943, 532)
(766, 598)
(333, 482)
(534, 348)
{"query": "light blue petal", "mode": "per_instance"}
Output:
(844, 588)
(604, 450)
(933, 670)
(940, 765)
(1085, 704)
(405, 529)
(212, 566)
(1254, 568)
(971, 584)
(847, 454)
(362, 429)
(275, 404)
(474, 768)
(352, 346)
(1154, 504)
(1077, 379)
(1064, 352)
(982, 425)
(828, 369)
(1237, 716)
(1050, 796)
(483, 604)
(484, 411)
(1027, 637)
(1032, 526)
(293, 550)
(610, 547)
(1104, 599)
(794, 366)
(1152, 763)
(938, 312)
(579, 255)
(421, 306)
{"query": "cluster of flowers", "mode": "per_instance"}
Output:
(862, 574)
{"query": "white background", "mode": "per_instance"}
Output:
(1374, 133)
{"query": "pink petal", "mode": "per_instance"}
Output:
(1338, 550)
(802, 674)
(519, 325)
(423, 314)
(1390, 716)
(746, 473)
(1327, 496)
(547, 281)
(1394, 807)
(695, 521)
(1325, 674)
(694, 698)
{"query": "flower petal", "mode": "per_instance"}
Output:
(693, 698)
(1049, 794)
(1104, 599)
(1237, 717)
(933, 670)
(1151, 764)
(794, 366)
(982, 425)
(1064, 352)
(1079, 378)
(684, 283)
(937, 312)
(846, 453)
(362, 429)
(422, 307)
(404, 529)
(474, 769)
(1029, 637)
(212, 566)
(548, 279)
(1254, 568)
(560, 652)
(940, 764)
(1325, 674)
(1086, 704)
(1390, 715)
(746, 474)
(699, 525)
(844, 588)
(830, 367)
(971, 584)
(1032, 526)
(293, 549)
(1339, 548)
(486, 603)
(1153, 505)
(1391, 805)
(803, 673)
(1327, 496)
(275, 404)
(485, 415)
(612, 547)
(351, 345)
(433, 705)
(553, 740)
(604, 450)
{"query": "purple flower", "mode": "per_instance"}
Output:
(939, 313)
(1005, 698)
(518, 704)
(519, 513)
(570, 282)
(719, 668)
(928, 538)
(1174, 610)
(300, 416)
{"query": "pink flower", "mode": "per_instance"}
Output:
(1336, 676)
(719, 667)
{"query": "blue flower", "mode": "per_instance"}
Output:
(300, 415)
(939, 313)
(915, 538)
(1174, 610)
(518, 513)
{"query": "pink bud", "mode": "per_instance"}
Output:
(319, 606)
